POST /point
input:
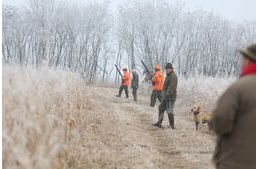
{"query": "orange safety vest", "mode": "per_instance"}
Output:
(126, 79)
(157, 80)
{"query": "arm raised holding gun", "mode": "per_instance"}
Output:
(125, 81)
(157, 83)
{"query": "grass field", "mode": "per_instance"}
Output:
(108, 132)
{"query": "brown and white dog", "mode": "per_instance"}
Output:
(201, 117)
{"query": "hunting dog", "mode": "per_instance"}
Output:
(201, 117)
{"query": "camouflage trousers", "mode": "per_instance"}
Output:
(134, 93)
(121, 90)
(168, 106)
(155, 94)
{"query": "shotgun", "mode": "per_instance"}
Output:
(146, 69)
(118, 70)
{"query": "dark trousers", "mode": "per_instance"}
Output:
(168, 106)
(154, 95)
(121, 90)
(134, 94)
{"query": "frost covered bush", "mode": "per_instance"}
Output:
(35, 105)
(203, 91)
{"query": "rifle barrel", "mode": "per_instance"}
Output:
(146, 68)
(118, 70)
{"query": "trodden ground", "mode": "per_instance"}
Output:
(130, 141)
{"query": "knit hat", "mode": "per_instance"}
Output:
(169, 66)
(249, 52)
(157, 67)
(125, 67)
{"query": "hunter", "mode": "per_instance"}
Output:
(234, 119)
(135, 84)
(157, 85)
(168, 94)
(125, 83)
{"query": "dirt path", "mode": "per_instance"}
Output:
(144, 146)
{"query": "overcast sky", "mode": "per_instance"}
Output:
(234, 10)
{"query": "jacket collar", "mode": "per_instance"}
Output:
(248, 70)
(170, 73)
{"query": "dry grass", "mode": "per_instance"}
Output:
(35, 106)
(108, 132)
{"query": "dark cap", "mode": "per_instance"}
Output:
(169, 66)
(249, 52)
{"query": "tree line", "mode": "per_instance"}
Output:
(89, 38)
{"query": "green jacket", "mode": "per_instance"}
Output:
(135, 81)
(234, 120)
(170, 87)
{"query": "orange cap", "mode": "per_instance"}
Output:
(157, 67)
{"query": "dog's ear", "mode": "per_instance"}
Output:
(194, 107)
(198, 108)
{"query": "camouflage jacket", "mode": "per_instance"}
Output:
(135, 81)
(170, 86)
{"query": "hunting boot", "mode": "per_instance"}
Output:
(171, 120)
(135, 95)
(158, 124)
(126, 92)
(135, 98)
(120, 91)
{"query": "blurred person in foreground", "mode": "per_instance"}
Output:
(234, 119)
(168, 95)
(125, 83)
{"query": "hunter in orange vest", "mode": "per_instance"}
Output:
(125, 83)
(157, 85)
